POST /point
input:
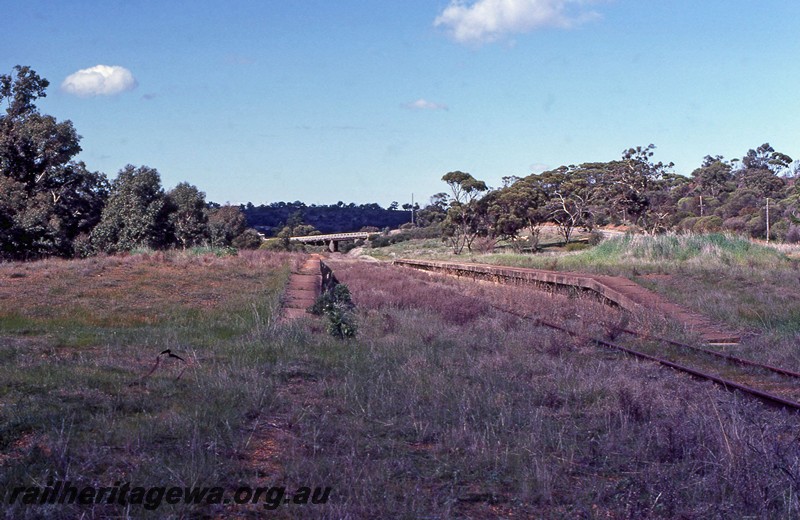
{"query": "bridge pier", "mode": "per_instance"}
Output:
(331, 241)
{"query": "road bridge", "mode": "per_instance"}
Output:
(332, 241)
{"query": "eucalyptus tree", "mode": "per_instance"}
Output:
(713, 177)
(136, 214)
(187, 215)
(461, 225)
(47, 199)
(572, 193)
(518, 206)
(765, 158)
(224, 224)
(632, 180)
(435, 212)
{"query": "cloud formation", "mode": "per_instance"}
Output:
(423, 104)
(487, 20)
(100, 80)
(538, 168)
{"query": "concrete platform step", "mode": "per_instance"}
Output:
(302, 290)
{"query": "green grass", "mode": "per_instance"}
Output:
(656, 254)
(73, 401)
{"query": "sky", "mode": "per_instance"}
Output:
(373, 101)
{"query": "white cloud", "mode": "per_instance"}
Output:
(538, 168)
(423, 104)
(487, 20)
(100, 80)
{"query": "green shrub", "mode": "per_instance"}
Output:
(249, 239)
(337, 306)
(380, 241)
(405, 235)
(707, 224)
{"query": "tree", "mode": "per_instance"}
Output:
(224, 224)
(78, 206)
(461, 223)
(248, 239)
(662, 212)
(188, 217)
(632, 181)
(295, 228)
(464, 187)
(519, 205)
(567, 196)
(765, 158)
(47, 200)
(435, 212)
(713, 177)
(136, 215)
(508, 180)
(571, 192)
(761, 180)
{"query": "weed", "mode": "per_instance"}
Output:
(337, 306)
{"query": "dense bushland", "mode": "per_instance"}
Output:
(327, 218)
(755, 196)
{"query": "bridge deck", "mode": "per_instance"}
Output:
(333, 236)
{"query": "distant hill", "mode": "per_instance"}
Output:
(334, 218)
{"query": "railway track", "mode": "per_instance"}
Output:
(784, 393)
(773, 385)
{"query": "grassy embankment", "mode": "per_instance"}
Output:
(749, 286)
(550, 240)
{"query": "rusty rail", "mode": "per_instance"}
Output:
(728, 384)
(721, 355)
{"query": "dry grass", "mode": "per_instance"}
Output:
(77, 339)
(486, 415)
(443, 407)
(741, 284)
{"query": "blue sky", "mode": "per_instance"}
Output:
(368, 101)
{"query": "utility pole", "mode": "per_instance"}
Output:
(412, 209)
(767, 220)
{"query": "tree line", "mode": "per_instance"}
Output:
(327, 218)
(52, 205)
(756, 195)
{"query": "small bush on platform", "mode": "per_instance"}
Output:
(337, 306)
